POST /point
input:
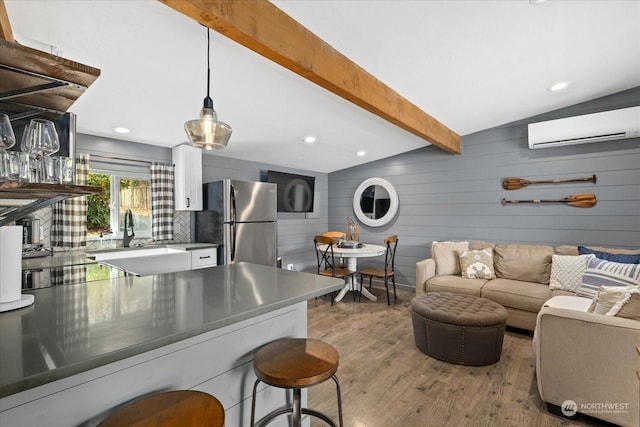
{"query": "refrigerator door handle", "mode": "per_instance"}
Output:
(233, 241)
(232, 195)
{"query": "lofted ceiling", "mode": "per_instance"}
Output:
(471, 65)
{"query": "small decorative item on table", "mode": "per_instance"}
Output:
(353, 230)
(350, 244)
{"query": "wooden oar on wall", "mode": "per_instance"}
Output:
(580, 200)
(517, 183)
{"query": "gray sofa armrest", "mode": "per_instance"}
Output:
(425, 269)
(590, 359)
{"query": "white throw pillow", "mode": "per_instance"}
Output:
(445, 254)
(609, 297)
(567, 271)
(628, 306)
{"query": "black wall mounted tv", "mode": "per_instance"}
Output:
(295, 192)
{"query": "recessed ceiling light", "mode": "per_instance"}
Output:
(310, 139)
(558, 86)
(361, 153)
(121, 129)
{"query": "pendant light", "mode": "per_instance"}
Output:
(207, 132)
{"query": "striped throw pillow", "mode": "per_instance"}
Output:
(607, 273)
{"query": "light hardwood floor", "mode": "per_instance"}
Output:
(387, 382)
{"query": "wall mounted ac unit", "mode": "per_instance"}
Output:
(604, 126)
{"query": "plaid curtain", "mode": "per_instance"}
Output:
(163, 297)
(162, 204)
(72, 315)
(69, 217)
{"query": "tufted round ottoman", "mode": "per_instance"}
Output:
(458, 328)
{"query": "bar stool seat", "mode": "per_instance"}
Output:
(179, 408)
(296, 363)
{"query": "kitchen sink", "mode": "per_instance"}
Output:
(132, 253)
(145, 261)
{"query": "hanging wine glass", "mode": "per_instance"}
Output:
(7, 137)
(40, 139)
(7, 140)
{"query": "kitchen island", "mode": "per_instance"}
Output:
(83, 349)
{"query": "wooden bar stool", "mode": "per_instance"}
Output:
(296, 363)
(172, 408)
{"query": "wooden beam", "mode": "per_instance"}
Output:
(5, 25)
(262, 27)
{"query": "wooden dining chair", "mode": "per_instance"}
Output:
(326, 261)
(388, 272)
(337, 235)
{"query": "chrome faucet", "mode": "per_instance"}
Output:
(128, 224)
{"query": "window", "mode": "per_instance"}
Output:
(120, 191)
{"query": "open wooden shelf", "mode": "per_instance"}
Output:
(33, 82)
(18, 200)
(15, 190)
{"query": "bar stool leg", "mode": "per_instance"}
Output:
(339, 392)
(253, 402)
(297, 408)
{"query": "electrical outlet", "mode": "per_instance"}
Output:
(289, 266)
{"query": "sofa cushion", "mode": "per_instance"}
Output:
(529, 263)
(566, 250)
(573, 250)
(526, 296)
(567, 271)
(474, 245)
(569, 303)
(558, 292)
(606, 273)
(628, 306)
(610, 256)
(445, 254)
(455, 284)
(607, 297)
(477, 264)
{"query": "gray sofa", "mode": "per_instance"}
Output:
(522, 277)
(583, 358)
(588, 359)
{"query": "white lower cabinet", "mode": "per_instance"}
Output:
(202, 258)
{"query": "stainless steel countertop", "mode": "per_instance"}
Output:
(80, 257)
(59, 259)
(74, 328)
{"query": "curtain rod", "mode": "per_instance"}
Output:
(120, 159)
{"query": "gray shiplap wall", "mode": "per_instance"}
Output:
(295, 230)
(446, 197)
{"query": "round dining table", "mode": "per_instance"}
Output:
(352, 254)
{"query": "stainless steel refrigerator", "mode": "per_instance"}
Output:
(241, 216)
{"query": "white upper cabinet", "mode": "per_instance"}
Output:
(188, 178)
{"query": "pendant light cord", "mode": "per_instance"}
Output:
(208, 64)
(208, 102)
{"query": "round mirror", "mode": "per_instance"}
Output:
(375, 202)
